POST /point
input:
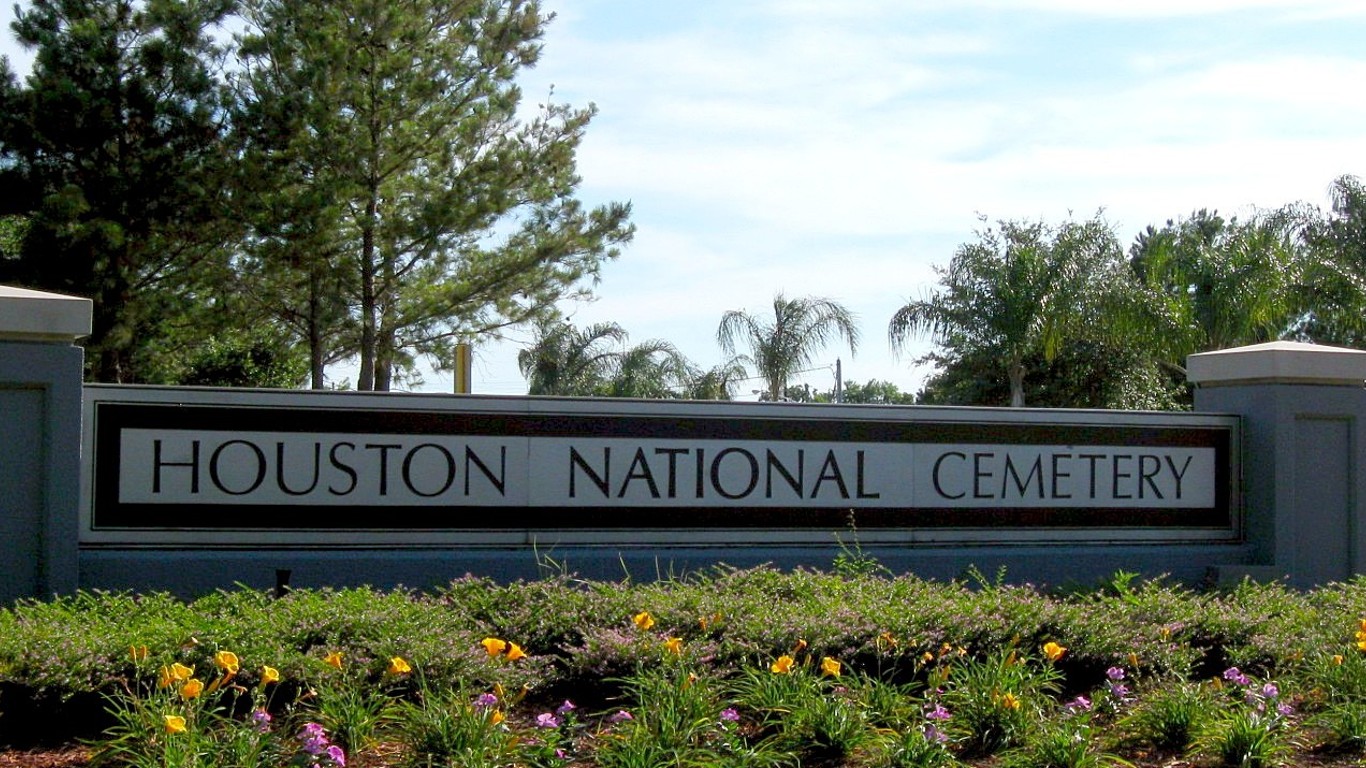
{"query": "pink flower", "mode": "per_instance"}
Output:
(547, 720)
(620, 716)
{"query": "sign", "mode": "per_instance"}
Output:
(216, 466)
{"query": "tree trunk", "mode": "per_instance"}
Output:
(368, 299)
(1015, 370)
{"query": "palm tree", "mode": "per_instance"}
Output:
(782, 346)
(567, 361)
(1207, 283)
(1335, 286)
(1022, 290)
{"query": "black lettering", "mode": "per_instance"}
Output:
(1116, 475)
(795, 483)
(347, 468)
(639, 470)
(1057, 473)
(978, 475)
(1092, 458)
(673, 454)
(830, 470)
(1146, 475)
(408, 470)
(1035, 472)
(601, 481)
(383, 464)
(280, 469)
(863, 494)
(260, 467)
(157, 464)
(753, 473)
(939, 487)
(1181, 474)
(499, 482)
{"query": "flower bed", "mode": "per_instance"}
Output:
(728, 668)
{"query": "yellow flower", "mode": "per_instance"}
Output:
(675, 645)
(927, 657)
(1337, 658)
(497, 716)
(1361, 644)
(783, 665)
(333, 659)
(886, 639)
(192, 688)
(800, 646)
(137, 652)
(643, 621)
(493, 645)
(175, 673)
(1053, 651)
(1010, 702)
(397, 666)
(175, 724)
(515, 652)
(1133, 660)
(1361, 625)
(226, 661)
(269, 675)
(830, 667)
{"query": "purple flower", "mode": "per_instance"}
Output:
(1115, 673)
(565, 708)
(1119, 690)
(729, 715)
(1284, 709)
(262, 719)
(620, 716)
(1234, 675)
(1079, 704)
(547, 720)
(938, 713)
(935, 735)
(313, 731)
(485, 700)
(1270, 691)
(337, 756)
(560, 753)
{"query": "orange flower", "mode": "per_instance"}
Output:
(397, 666)
(192, 688)
(175, 673)
(830, 667)
(175, 724)
(515, 652)
(927, 657)
(1053, 651)
(674, 645)
(1010, 702)
(1337, 659)
(269, 675)
(497, 716)
(800, 646)
(493, 645)
(783, 665)
(333, 659)
(643, 621)
(137, 652)
(226, 661)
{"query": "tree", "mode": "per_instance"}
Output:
(1334, 293)
(873, 392)
(1022, 289)
(113, 152)
(452, 217)
(715, 383)
(564, 360)
(1206, 283)
(781, 346)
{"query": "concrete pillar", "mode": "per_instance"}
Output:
(1304, 411)
(40, 441)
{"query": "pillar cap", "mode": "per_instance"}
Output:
(1279, 362)
(28, 315)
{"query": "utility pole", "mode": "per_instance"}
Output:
(839, 382)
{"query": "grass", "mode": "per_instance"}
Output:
(734, 667)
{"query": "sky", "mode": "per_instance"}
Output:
(844, 148)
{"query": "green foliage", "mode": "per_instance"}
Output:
(784, 344)
(1023, 289)
(448, 726)
(1169, 716)
(998, 701)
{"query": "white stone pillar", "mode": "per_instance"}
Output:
(1304, 421)
(41, 371)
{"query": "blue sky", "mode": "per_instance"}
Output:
(841, 149)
